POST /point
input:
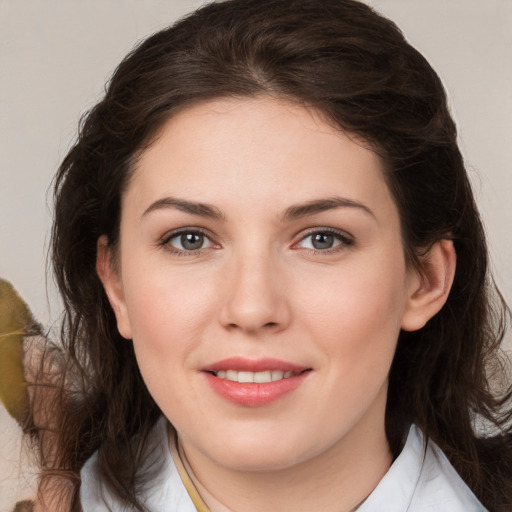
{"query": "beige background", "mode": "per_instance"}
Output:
(56, 54)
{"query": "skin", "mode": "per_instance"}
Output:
(258, 288)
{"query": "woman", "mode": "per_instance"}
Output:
(275, 279)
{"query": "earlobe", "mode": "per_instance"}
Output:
(111, 280)
(430, 288)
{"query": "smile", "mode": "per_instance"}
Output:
(262, 377)
(254, 383)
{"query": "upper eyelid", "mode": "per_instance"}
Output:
(297, 238)
(179, 231)
(334, 231)
(346, 240)
(165, 241)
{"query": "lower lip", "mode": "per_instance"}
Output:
(254, 394)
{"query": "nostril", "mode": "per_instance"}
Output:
(268, 325)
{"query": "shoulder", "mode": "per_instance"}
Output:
(422, 480)
(165, 491)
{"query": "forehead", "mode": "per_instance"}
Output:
(261, 149)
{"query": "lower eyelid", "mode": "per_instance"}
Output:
(342, 238)
(165, 241)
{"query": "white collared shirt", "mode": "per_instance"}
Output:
(418, 481)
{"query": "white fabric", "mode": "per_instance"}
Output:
(418, 481)
(421, 481)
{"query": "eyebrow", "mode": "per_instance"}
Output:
(293, 212)
(322, 205)
(200, 209)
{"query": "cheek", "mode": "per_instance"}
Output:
(354, 321)
(356, 313)
(167, 313)
(167, 318)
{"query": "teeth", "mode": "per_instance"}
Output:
(262, 377)
(246, 377)
(258, 377)
(277, 375)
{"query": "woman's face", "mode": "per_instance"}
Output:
(258, 243)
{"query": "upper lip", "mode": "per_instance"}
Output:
(253, 365)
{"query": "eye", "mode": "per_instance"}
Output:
(187, 241)
(325, 241)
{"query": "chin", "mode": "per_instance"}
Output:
(263, 453)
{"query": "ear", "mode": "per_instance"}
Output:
(112, 283)
(429, 288)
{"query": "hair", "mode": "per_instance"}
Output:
(354, 66)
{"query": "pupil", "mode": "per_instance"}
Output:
(192, 241)
(322, 241)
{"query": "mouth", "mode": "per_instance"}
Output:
(262, 377)
(254, 383)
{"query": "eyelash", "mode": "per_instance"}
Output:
(166, 239)
(345, 241)
(344, 238)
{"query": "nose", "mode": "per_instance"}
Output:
(255, 296)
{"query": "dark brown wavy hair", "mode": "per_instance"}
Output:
(353, 65)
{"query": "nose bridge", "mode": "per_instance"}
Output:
(255, 298)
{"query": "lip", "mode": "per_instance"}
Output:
(243, 364)
(254, 394)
